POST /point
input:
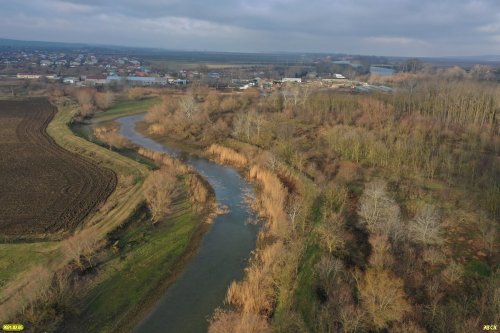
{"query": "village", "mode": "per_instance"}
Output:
(93, 69)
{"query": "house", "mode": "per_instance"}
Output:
(137, 80)
(71, 80)
(141, 81)
(95, 80)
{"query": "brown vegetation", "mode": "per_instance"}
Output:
(160, 190)
(111, 137)
(104, 100)
(398, 231)
(137, 93)
(200, 192)
(227, 155)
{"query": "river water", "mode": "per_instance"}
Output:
(223, 254)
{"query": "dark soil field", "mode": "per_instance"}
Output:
(44, 189)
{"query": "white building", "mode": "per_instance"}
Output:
(292, 79)
(70, 80)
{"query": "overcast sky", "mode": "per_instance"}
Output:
(378, 27)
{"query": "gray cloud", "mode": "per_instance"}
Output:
(405, 27)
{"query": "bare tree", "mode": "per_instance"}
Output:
(294, 209)
(104, 100)
(272, 162)
(488, 232)
(85, 98)
(331, 234)
(426, 227)
(111, 137)
(453, 273)
(383, 297)
(328, 269)
(82, 244)
(160, 190)
(482, 72)
(353, 319)
(136, 93)
(188, 105)
(378, 211)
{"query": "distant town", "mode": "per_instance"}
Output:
(83, 68)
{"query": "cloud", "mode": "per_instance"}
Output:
(69, 7)
(393, 40)
(401, 27)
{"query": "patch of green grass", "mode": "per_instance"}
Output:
(147, 257)
(18, 257)
(476, 267)
(305, 295)
(126, 108)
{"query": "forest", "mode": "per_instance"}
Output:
(382, 209)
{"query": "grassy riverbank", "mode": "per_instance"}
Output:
(142, 261)
(126, 107)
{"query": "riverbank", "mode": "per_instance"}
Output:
(141, 261)
(287, 200)
(223, 254)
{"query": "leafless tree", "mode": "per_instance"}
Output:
(160, 191)
(104, 100)
(111, 137)
(294, 209)
(378, 211)
(426, 227)
(383, 297)
(82, 244)
(188, 105)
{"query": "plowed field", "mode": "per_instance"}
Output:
(43, 188)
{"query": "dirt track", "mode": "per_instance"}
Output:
(43, 188)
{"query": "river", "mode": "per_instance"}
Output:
(223, 254)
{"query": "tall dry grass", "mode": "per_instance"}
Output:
(165, 160)
(233, 322)
(255, 296)
(199, 189)
(272, 199)
(25, 292)
(227, 155)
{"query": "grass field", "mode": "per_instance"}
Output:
(148, 259)
(18, 257)
(125, 107)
